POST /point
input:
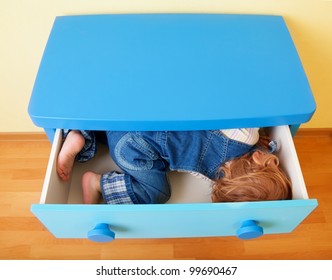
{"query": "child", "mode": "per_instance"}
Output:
(236, 160)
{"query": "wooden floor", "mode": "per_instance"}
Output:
(23, 161)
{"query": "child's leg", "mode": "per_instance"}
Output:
(120, 188)
(144, 179)
(91, 188)
(72, 145)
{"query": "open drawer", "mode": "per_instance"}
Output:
(189, 212)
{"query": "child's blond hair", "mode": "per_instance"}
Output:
(243, 179)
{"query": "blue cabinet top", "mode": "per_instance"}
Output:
(170, 72)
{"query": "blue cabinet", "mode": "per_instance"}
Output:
(170, 72)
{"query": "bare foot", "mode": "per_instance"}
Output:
(91, 188)
(72, 145)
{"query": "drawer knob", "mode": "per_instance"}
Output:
(249, 229)
(101, 233)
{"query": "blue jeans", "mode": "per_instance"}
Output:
(145, 171)
(146, 157)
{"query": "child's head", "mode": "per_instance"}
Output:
(253, 177)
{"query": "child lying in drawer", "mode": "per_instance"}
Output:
(237, 161)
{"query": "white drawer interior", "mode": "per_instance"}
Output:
(185, 187)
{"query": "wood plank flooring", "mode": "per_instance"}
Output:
(23, 161)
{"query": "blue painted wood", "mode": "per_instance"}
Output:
(294, 129)
(50, 132)
(172, 220)
(101, 233)
(249, 230)
(170, 72)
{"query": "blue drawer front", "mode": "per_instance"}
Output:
(172, 220)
